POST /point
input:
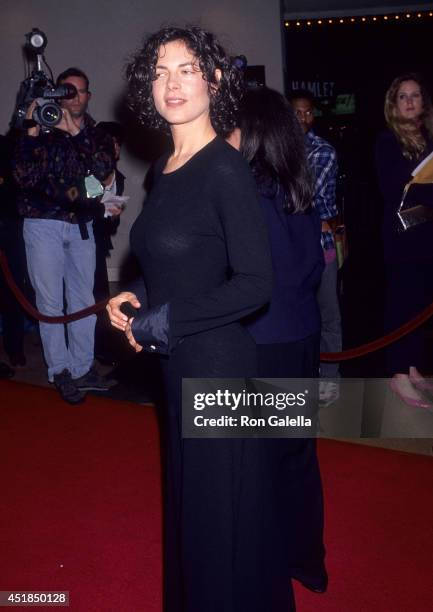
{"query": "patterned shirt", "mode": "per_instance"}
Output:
(50, 170)
(323, 161)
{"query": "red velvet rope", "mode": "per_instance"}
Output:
(375, 345)
(80, 314)
(352, 353)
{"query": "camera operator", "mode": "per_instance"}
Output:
(60, 171)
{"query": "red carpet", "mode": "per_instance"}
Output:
(80, 511)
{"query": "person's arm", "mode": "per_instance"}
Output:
(234, 195)
(30, 160)
(324, 161)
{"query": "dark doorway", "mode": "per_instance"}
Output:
(349, 66)
(358, 59)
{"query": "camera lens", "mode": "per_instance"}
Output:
(48, 114)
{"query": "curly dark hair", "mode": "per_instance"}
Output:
(225, 95)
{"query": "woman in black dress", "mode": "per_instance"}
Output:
(409, 254)
(202, 246)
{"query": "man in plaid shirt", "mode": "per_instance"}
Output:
(323, 160)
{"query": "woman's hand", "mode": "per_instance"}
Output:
(117, 318)
(132, 341)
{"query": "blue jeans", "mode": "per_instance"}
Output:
(62, 265)
(330, 337)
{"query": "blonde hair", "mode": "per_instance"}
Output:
(410, 137)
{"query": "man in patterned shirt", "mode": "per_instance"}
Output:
(323, 160)
(56, 171)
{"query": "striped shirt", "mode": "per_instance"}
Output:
(323, 161)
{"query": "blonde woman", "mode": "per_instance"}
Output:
(408, 255)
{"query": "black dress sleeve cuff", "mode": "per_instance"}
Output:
(151, 330)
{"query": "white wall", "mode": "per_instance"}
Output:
(98, 35)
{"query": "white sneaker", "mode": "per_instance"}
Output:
(329, 392)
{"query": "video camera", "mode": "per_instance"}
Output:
(40, 87)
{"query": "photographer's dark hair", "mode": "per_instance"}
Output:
(224, 95)
(72, 72)
(273, 143)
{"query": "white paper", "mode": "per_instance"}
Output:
(113, 203)
(422, 164)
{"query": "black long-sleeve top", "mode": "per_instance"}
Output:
(50, 170)
(394, 171)
(203, 248)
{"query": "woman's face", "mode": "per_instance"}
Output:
(180, 92)
(409, 100)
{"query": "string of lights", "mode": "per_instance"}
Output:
(297, 23)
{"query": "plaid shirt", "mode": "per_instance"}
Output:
(323, 161)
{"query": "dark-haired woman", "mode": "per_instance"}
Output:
(408, 255)
(287, 330)
(202, 245)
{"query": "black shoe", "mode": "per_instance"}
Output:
(316, 584)
(67, 388)
(315, 588)
(93, 381)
